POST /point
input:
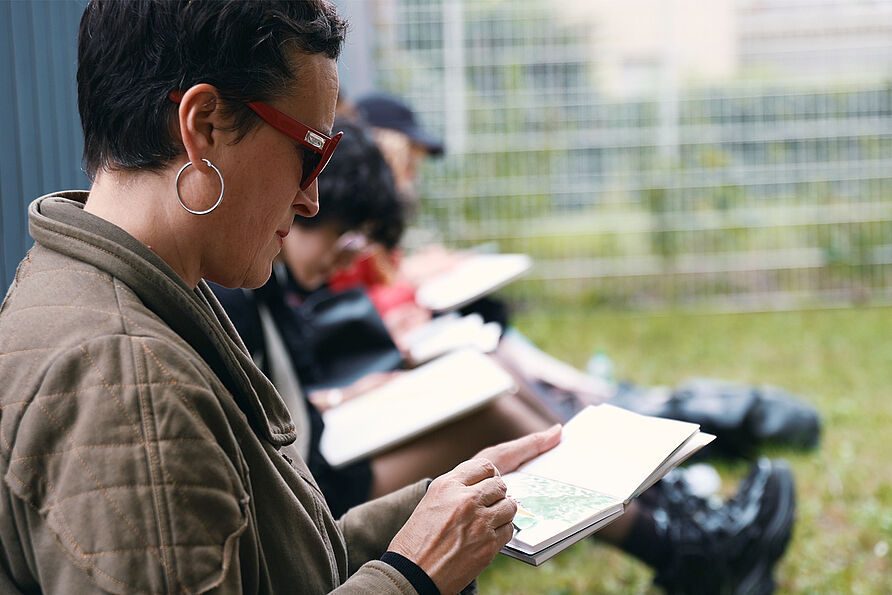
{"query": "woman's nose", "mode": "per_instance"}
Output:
(307, 203)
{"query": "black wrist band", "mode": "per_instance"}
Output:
(413, 573)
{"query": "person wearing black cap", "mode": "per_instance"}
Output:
(405, 144)
(403, 141)
(386, 111)
(390, 279)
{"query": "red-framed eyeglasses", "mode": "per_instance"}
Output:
(318, 147)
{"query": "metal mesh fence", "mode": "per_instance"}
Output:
(657, 152)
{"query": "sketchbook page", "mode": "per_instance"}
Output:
(611, 450)
(435, 326)
(682, 454)
(472, 278)
(440, 337)
(412, 403)
(542, 555)
(549, 510)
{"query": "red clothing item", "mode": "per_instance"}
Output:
(362, 272)
(374, 273)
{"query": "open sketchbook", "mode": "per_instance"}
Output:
(414, 402)
(471, 279)
(606, 458)
(450, 332)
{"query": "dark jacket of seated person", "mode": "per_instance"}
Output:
(306, 340)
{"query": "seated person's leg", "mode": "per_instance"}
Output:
(506, 418)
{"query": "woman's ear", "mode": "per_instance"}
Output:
(199, 115)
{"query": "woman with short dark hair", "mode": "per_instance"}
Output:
(141, 450)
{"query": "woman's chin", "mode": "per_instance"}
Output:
(254, 278)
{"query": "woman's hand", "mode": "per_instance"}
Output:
(508, 456)
(459, 526)
(465, 519)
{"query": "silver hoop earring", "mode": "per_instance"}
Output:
(219, 199)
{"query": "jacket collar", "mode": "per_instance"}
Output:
(58, 222)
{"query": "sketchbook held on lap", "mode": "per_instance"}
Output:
(607, 457)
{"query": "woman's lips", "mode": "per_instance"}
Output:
(281, 235)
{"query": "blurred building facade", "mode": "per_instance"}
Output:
(646, 152)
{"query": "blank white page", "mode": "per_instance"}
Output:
(471, 279)
(414, 402)
(611, 450)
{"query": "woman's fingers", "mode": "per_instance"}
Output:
(459, 525)
(504, 534)
(502, 512)
(474, 471)
(491, 491)
(508, 456)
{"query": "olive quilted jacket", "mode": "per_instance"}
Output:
(141, 451)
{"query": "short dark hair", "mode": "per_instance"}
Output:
(131, 54)
(357, 190)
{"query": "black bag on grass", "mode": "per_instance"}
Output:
(743, 418)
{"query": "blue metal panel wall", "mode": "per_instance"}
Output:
(40, 135)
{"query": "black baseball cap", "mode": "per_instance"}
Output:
(386, 111)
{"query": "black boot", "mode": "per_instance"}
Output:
(744, 418)
(727, 550)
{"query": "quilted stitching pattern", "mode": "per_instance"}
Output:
(109, 432)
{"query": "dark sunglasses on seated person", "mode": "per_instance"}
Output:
(318, 147)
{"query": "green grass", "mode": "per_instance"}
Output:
(839, 360)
